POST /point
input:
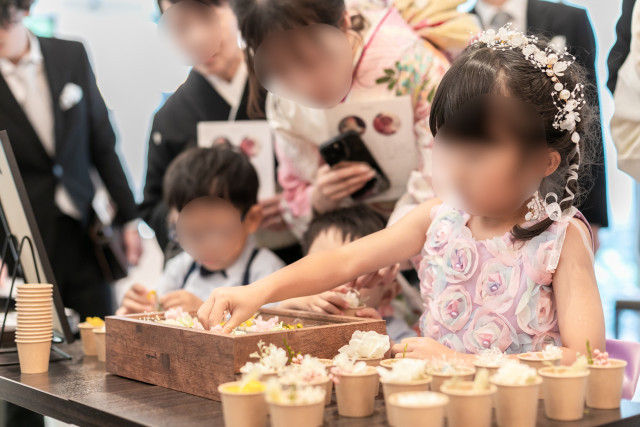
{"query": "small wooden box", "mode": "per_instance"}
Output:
(196, 361)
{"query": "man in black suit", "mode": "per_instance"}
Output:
(563, 25)
(620, 49)
(217, 89)
(59, 128)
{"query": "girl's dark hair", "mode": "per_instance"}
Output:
(8, 8)
(353, 223)
(481, 70)
(217, 171)
(257, 19)
(205, 2)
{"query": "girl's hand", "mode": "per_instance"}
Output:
(421, 348)
(334, 184)
(181, 298)
(272, 215)
(369, 313)
(382, 277)
(135, 301)
(241, 301)
(329, 302)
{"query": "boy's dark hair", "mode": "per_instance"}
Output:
(353, 223)
(8, 8)
(481, 71)
(205, 2)
(217, 171)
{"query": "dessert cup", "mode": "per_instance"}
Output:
(356, 393)
(517, 405)
(429, 414)
(468, 407)
(564, 392)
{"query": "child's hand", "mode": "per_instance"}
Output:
(329, 302)
(135, 301)
(241, 301)
(382, 277)
(369, 313)
(181, 298)
(272, 215)
(421, 348)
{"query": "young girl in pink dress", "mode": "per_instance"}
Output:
(505, 259)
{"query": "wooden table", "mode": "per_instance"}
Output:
(80, 392)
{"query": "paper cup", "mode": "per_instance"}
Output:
(99, 335)
(564, 393)
(536, 361)
(88, 339)
(351, 312)
(391, 388)
(370, 361)
(464, 374)
(242, 409)
(468, 407)
(429, 414)
(34, 357)
(604, 384)
(388, 363)
(296, 415)
(517, 405)
(356, 393)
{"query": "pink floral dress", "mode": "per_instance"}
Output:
(488, 293)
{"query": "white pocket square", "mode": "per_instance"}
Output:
(71, 94)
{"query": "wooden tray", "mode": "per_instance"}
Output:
(196, 362)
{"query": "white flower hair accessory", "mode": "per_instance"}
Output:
(553, 61)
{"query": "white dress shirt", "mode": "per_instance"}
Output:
(231, 91)
(517, 9)
(172, 279)
(28, 83)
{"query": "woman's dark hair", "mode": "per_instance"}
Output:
(257, 19)
(481, 70)
(352, 222)
(218, 171)
(8, 8)
(205, 2)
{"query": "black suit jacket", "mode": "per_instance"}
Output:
(84, 140)
(554, 19)
(174, 130)
(620, 49)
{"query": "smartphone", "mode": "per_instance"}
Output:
(349, 147)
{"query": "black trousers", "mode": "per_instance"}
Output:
(75, 267)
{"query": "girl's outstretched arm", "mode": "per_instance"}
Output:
(580, 315)
(321, 272)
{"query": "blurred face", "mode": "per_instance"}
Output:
(13, 37)
(214, 233)
(206, 35)
(311, 65)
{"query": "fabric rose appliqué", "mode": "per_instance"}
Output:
(460, 258)
(452, 307)
(536, 256)
(536, 311)
(441, 230)
(488, 330)
(497, 285)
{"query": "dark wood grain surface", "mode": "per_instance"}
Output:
(81, 392)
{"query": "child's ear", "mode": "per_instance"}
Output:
(553, 161)
(253, 218)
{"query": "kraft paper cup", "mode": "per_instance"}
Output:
(351, 312)
(283, 415)
(370, 361)
(430, 414)
(564, 392)
(34, 357)
(101, 350)
(517, 405)
(242, 409)
(468, 407)
(356, 393)
(604, 384)
(88, 339)
(437, 378)
(390, 388)
(536, 361)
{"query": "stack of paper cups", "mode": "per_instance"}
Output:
(34, 331)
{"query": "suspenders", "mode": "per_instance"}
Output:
(246, 277)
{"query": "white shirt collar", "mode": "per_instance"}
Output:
(231, 91)
(516, 8)
(34, 56)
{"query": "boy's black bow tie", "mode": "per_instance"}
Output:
(204, 272)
